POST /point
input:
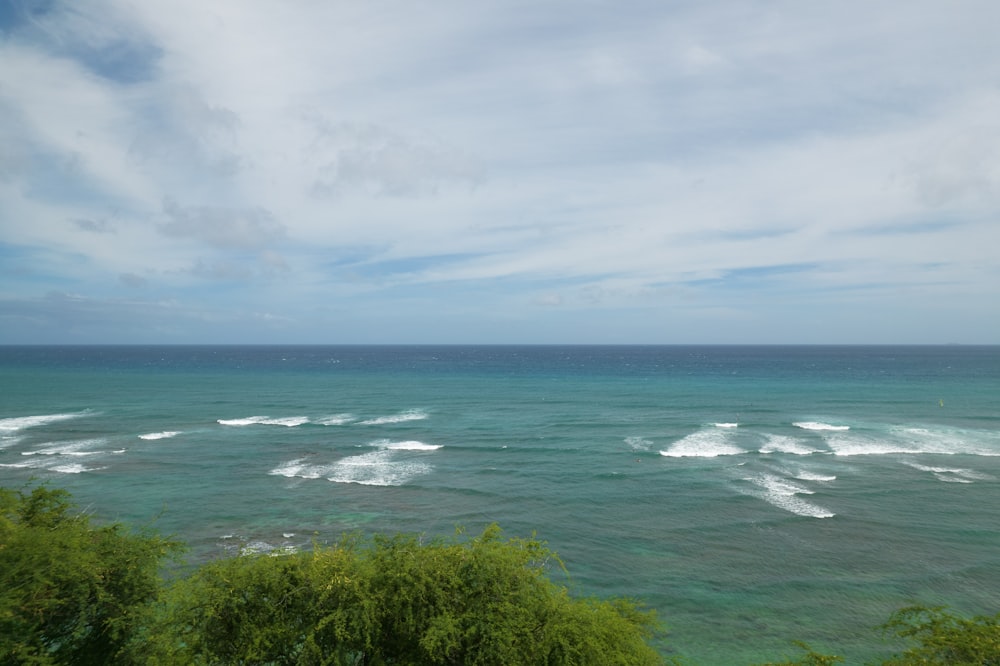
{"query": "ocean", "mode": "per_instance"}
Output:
(751, 495)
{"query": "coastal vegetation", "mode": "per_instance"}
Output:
(74, 592)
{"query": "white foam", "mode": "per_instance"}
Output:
(858, 445)
(74, 468)
(814, 425)
(782, 493)
(378, 468)
(806, 475)
(250, 420)
(21, 422)
(287, 421)
(726, 425)
(166, 434)
(703, 444)
(265, 548)
(336, 419)
(412, 446)
(638, 443)
(68, 448)
(949, 440)
(299, 468)
(22, 465)
(786, 444)
(402, 417)
(953, 474)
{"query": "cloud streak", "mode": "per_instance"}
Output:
(476, 172)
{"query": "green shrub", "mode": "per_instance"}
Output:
(70, 593)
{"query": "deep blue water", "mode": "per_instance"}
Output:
(752, 495)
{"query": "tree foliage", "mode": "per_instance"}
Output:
(70, 592)
(945, 638)
(396, 600)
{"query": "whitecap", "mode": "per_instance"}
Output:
(74, 468)
(287, 421)
(805, 475)
(72, 448)
(250, 420)
(264, 548)
(814, 425)
(378, 468)
(336, 419)
(22, 465)
(21, 422)
(782, 493)
(726, 425)
(411, 446)
(638, 443)
(786, 444)
(953, 474)
(301, 469)
(703, 444)
(949, 440)
(402, 417)
(856, 445)
(166, 434)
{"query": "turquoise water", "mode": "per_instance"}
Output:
(752, 495)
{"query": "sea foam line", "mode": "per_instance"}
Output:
(412, 446)
(782, 493)
(708, 443)
(378, 468)
(786, 444)
(21, 422)
(402, 417)
(850, 445)
(69, 448)
(288, 421)
(74, 468)
(166, 434)
(949, 440)
(953, 474)
(391, 464)
(336, 419)
(815, 425)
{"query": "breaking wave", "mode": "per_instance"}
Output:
(708, 443)
(160, 435)
(783, 493)
(814, 425)
(402, 417)
(18, 423)
(288, 421)
(391, 464)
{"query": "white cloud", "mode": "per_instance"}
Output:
(485, 160)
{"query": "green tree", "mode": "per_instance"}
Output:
(945, 638)
(70, 592)
(306, 608)
(398, 600)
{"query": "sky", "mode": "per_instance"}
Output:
(499, 171)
